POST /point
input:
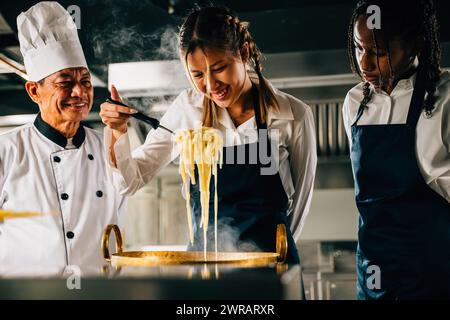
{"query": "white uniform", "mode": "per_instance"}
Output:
(68, 186)
(432, 135)
(297, 148)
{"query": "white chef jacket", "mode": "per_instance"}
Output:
(68, 186)
(432, 135)
(294, 122)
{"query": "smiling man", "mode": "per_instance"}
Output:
(64, 98)
(54, 166)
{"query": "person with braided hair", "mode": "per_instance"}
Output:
(397, 121)
(256, 192)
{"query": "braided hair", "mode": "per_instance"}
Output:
(405, 20)
(218, 28)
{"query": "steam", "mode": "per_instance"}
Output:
(126, 43)
(119, 41)
(168, 49)
(227, 238)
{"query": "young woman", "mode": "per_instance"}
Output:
(397, 120)
(218, 53)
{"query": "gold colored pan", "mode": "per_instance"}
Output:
(156, 258)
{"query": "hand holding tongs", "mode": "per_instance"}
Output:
(140, 116)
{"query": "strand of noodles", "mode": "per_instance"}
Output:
(216, 155)
(202, 146)
(204, 173)
(184, 139)
(212, 153)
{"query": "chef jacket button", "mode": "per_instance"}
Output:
(99, 193)
(56, 159)
(64, 196)
(70, 234)
(90, 157)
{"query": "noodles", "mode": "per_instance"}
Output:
(202, 146)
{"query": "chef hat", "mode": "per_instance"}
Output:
(48, 40)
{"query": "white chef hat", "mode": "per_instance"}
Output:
(48, 40)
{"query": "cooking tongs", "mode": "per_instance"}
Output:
(142, 117)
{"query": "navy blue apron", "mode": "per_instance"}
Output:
(404, 226)
(251, 205)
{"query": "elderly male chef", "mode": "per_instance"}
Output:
(54, 166)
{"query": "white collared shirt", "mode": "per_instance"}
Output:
(294, 123)
(432, 135)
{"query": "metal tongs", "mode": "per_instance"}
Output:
(140, 116)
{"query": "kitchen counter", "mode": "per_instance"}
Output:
(163, 282)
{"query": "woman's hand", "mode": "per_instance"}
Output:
(115, 116)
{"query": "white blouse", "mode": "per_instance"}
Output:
(432, 135)
(294, 124)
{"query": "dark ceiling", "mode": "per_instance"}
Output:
(136, 30)
(133, 30)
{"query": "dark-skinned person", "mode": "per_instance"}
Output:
(397, 121)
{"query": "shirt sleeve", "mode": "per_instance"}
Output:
(2, 180)
(136, 168)
(6, 154)
(438, 162)
(346, 119)
(303, 162)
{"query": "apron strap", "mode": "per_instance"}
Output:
(259, 124)
(416, 106)
(256, 106)
(359, 114)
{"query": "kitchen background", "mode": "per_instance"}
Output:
(133, 45)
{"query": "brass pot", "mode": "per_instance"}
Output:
(156, 258)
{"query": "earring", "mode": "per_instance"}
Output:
(427, 114)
